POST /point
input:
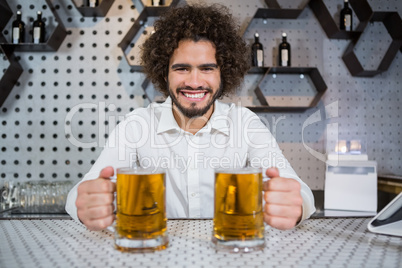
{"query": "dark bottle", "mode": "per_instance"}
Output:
(284, 52)
(92, 3)
(18, 30)
(257, 52)
(39, 30)
(345, 22)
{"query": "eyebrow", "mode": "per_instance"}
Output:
(185, 65)
(213, 65)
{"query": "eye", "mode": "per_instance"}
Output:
(181, 69)
(208, 69)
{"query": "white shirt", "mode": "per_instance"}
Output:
(233, 137)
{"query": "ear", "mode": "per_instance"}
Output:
(166, 75)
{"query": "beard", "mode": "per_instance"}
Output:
(192, 111)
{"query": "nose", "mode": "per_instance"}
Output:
(194, 79)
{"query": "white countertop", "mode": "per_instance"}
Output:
(330, 242)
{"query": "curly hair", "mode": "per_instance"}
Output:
(197, 22)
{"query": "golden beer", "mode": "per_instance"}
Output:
(141, 213)
(238, 215)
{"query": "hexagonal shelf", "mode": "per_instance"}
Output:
(134, 34)
(54, 40)
(137, 32)
(10, 72)
(276, 11)
(393, 23)
(6, 15)
(99, 11)
(157, 96)
(290, 103)
(361, 8)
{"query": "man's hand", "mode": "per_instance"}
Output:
(283, 207)
(95, 201)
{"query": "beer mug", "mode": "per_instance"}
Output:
(238, 214)
(140, 224)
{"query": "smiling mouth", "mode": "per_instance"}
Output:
(194, 95)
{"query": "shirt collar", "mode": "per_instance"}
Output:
(166, 120)
(219, 118)
(218, 121)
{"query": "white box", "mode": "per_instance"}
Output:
(347, 157)
(351, 185)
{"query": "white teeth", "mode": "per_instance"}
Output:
(194, 96)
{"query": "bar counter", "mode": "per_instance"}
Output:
(322, 242)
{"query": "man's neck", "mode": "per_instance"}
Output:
(192, 125)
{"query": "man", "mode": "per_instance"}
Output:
(194, 57)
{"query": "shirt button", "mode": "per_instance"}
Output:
(194, 194)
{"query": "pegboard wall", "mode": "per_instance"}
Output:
(56, 119)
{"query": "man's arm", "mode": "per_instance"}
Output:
(118, 152)
(285, 185)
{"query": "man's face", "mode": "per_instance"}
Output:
(194, 78)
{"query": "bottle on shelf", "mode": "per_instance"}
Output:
(284, 52)
(92, 3)
(257, 52)
(18, 29)
(39, 29)
(157, 3)
(345, 22)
